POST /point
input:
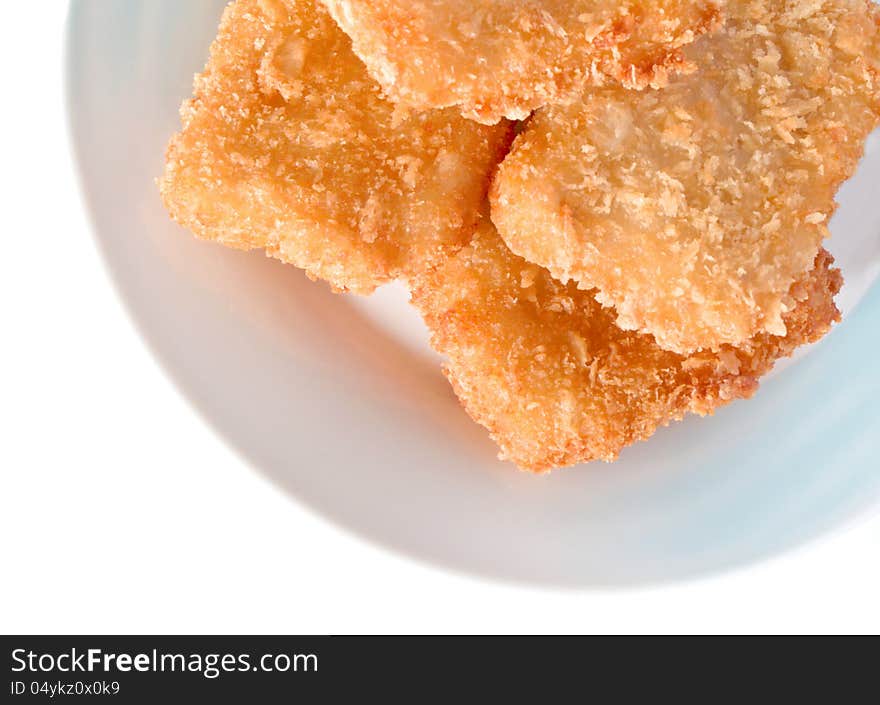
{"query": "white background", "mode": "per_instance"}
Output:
(120, 511)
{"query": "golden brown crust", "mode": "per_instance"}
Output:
(545, 369)
(289, 146)
(504, 59)
(692, 210)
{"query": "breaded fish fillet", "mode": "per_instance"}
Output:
(545, 369)
(692, 210)
(289, 146)
(505, 58)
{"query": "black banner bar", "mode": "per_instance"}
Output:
(266, 669)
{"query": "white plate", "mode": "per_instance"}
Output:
(341, 403)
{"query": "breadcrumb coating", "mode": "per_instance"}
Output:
(289, 146)
(692, 210)
(547, 371)
(505, 58)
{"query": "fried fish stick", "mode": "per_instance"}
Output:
(547, 371)
(289, 146)
(505, 58)
(692, 210)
